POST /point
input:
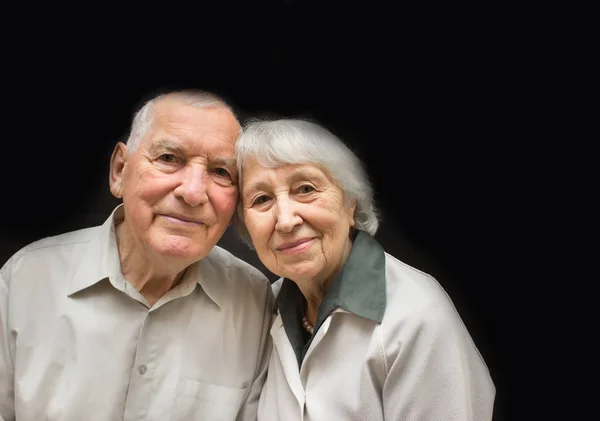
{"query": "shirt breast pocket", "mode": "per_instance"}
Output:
(204, 401)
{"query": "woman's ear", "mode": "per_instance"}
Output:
(351, 209)
(118, 161)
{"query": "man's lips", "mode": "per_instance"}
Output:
(183, 218)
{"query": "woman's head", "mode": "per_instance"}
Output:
(293, 141)
(299, 181)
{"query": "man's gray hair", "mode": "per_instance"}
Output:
(273, 143)
(143, 119)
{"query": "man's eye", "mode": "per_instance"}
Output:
(222, 172)
(167, 157)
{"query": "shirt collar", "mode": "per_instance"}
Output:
(208, 273)
(359, 287)
(101, 261)
(101, 257)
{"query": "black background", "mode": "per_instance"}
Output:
(428, 98)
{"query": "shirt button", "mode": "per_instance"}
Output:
(142, 369)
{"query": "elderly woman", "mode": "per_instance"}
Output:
(360, 335)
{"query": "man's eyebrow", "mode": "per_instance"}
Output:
(224, 161)
(167, 145)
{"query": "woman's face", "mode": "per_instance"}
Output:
(297, 220)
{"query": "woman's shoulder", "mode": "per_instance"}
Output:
(412, 294)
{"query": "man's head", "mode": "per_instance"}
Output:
(177, 177)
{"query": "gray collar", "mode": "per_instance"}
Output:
(359, 288)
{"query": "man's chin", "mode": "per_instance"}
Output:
(185, 250)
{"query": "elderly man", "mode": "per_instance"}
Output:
(144, 317)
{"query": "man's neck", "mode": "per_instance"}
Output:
(149, 277)
(153, 287)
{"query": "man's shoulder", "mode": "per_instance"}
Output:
(234, 279)
(234, 267)
(56, 242)
(56, 251)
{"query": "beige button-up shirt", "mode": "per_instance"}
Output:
(78, 342)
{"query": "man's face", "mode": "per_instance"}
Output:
(179, 187)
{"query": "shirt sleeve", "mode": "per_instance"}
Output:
(7, 401)
(435, 372)
(249, 410)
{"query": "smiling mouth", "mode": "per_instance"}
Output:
(296, 246)
(178, 219)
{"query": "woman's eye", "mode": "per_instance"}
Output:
(260, 200)
(306, 188)
(167, 157)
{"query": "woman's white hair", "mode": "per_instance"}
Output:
(143, 119)
(273, 143)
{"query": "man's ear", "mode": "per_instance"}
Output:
(118, 160)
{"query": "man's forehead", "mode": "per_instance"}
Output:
(216, 121)
(165, 141)
(177, 106)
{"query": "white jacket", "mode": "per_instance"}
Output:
(417, 363)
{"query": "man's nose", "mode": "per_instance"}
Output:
(192, 187)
